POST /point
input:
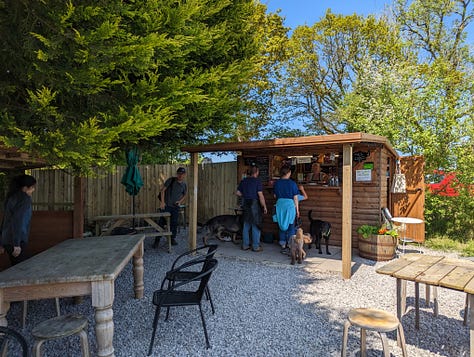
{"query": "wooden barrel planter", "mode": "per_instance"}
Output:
(378, 247)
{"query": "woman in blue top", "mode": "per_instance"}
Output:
(286, 192)
(17, 214)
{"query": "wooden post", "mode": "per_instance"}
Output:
(346, 210)
(78, 214)
(193, 192)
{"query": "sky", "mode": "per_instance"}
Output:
(301, 12)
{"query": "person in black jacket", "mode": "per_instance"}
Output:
(17, 218)
(250, 189)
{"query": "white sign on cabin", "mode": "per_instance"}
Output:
(363, 175)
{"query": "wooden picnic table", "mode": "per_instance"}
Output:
(451, 273)
(152, 230)
(76, 267)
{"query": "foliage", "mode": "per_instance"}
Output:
(323, 63)
(450, 216)
(84, 79)
(367, 230)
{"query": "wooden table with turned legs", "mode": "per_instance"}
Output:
(76, 267)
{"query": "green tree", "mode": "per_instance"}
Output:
(324, 62)
(81, 79)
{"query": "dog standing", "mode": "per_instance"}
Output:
(319, 230)
(218, 226)
(296, 244)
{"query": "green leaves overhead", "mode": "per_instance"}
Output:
(84, 78)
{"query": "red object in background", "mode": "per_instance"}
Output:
(441, 183)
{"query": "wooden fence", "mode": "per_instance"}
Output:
(105, 195)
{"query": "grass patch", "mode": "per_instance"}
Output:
(447, 244)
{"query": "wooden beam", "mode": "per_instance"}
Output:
(346, 211)
(79, 204)
(193, 192)
(295, 142)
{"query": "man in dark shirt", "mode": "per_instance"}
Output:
(250, 189)
(174, 192)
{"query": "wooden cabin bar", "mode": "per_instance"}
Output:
(318, 163)
(320, 172)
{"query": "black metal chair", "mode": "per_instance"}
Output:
(174, 295)
(18, 342)
(175, 275)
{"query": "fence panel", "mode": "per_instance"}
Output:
(105, 195)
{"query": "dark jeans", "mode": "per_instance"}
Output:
(21, 257)
(174, 211)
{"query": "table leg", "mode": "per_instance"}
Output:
(4, 307)
(417, 305)
(102, 300)
(471, 324)
(401, 293)
(138, 272)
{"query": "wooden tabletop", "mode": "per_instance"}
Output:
(453, 273)
(74, 260)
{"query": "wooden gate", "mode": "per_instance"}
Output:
(411, 203)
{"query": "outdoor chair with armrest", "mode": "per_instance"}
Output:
(179, 295)
(182, 274)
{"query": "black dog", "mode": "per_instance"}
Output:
(319, 230)
(218, 226)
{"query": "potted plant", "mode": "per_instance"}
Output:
(377, 242)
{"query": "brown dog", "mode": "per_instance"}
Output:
(296, 244)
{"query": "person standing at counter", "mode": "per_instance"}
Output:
(15, 228)
(286, 193)
(251, 190)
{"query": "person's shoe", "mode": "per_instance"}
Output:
(156, 244)
(245, 248)
(285, 250)
(173, 241)
(259, 249)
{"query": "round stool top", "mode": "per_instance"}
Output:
(60, 326)
(373, 319)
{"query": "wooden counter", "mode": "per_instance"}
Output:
(330, 210)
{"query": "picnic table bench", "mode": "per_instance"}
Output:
(105, 224)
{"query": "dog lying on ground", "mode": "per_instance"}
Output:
(319, 230)
(296, 244)
(222, 226)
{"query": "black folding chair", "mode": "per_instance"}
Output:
(12, 341)
(175, 275)
(177, 295)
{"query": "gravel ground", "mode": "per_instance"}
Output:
(261, 310)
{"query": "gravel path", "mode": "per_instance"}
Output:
(261, 310)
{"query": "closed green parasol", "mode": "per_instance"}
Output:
(132, 180)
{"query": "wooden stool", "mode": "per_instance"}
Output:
(375, 320)
(61, 326)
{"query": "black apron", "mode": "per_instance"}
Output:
(252, 212)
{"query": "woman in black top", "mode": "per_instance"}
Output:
(17, 214)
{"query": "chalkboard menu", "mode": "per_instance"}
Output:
(262, 163)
